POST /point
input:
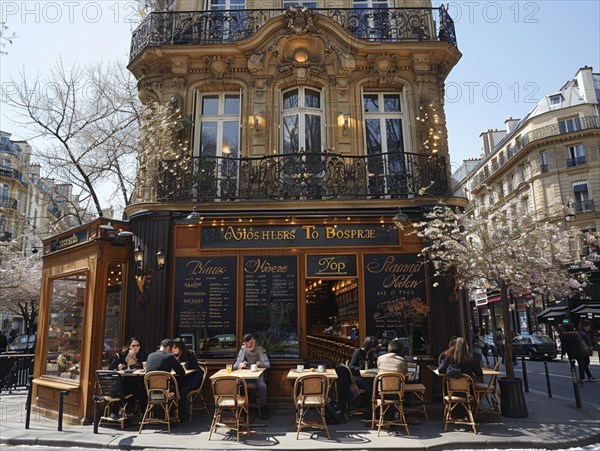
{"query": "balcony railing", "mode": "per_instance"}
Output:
(8, 202)
(584, 206)
(218, 27)
(302, 176)
(12, 173)
(576, 161)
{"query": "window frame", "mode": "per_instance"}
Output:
(302, 111)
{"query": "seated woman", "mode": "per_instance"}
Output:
(363, 358)
(130, 356)
(191, 380)
(460, 357)
(448, 351)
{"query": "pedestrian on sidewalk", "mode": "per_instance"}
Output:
(570, 341)
(585, 331)
(499, 343)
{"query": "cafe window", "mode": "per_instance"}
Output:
(112, 322)
(65, 328)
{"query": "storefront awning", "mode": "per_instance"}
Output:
(553, 312)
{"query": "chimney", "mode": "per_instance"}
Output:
(511, 124)
(585, 83)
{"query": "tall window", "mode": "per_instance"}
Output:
(544, 161)
(384, 136)
(569, 125)
(575, 155)
(582, 197)
(302, 120)
(112, 322)
(218, 144)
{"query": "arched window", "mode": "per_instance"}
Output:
(218, 144)
(385, 146)
(302, 120)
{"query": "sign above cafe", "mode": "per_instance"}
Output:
(305, 235)
(69, 240)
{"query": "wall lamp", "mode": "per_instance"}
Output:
(258, 124)
(570, 213)
(108, 231)
(194, 216)
(344, 123)
(35, 249)
(399, 218)
(138, 256)
(161, 258)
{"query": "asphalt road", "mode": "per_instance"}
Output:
(561, 383)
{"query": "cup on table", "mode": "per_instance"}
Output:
(145, 366)
(253, 367)
(299, 368)
(228, 368)
(321, 369)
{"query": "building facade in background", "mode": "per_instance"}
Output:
(546, 163)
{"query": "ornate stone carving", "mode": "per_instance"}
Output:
(384, 65)
(149, 88)
(218, 65)
(300, 21)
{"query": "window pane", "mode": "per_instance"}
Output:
(313, 133)
(210, 105)
(65, 331)
(394, 135)
(232, 104)
(208, 139)
(290, 99)
(391, 102)
(114, 295)
(312, 99)
(371, 102)
(230, 138)
(373, 127)
(290, 134)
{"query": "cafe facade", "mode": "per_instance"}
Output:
(316, 143)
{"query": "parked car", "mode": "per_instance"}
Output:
(534, 346)
(22, 343)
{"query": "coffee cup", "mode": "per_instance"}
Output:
(145, 365)
(253, 367)
(321, 369)
(228, 368)
(300, 368)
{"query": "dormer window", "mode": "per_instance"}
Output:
(556, 99)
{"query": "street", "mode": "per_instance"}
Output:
(560, 380)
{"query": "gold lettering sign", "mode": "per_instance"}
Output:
(400, 275)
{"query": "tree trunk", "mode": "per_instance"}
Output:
(508, 333)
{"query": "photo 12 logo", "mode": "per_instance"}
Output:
(491, 92)
(70, 11)
(493, 12)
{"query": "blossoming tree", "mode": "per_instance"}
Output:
(501, 250)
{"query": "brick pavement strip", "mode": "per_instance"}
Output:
(552, 424)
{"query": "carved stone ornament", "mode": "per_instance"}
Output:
(300, 21)
(218, 65)
(383, 65)
(149, 89)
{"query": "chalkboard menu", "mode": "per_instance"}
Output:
(270, 303)
(394, 284)
(205, 299)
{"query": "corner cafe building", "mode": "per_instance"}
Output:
(311, 285)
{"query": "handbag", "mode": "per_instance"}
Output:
(583, 348)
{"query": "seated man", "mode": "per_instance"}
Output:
(251, 354)
(393, 360)
(163, 360)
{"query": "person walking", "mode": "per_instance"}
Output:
(571, 345)
(585, 332)
(499, 343)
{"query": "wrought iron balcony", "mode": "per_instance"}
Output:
(584, 206)
(8, 202)
(576, 161)
(12, 173)
(218, 27)
(301, 176)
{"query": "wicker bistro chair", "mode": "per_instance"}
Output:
(163, 396)
(489, 393)
(231, 394)
(113, 395)
(311, 393)
(196, 398)
(388, 394)
(459, 392)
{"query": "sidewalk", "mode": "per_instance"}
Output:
(552, 424)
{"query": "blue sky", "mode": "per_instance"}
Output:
(514, 53)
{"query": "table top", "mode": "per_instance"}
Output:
(128, 373)
(244, 374)
(293, 374)
(486, 371)
(374, 372)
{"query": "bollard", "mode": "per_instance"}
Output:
(28, 403)
(61, 402)
(97, 400)
(575, 380)
(525, 381)
(547, 379)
